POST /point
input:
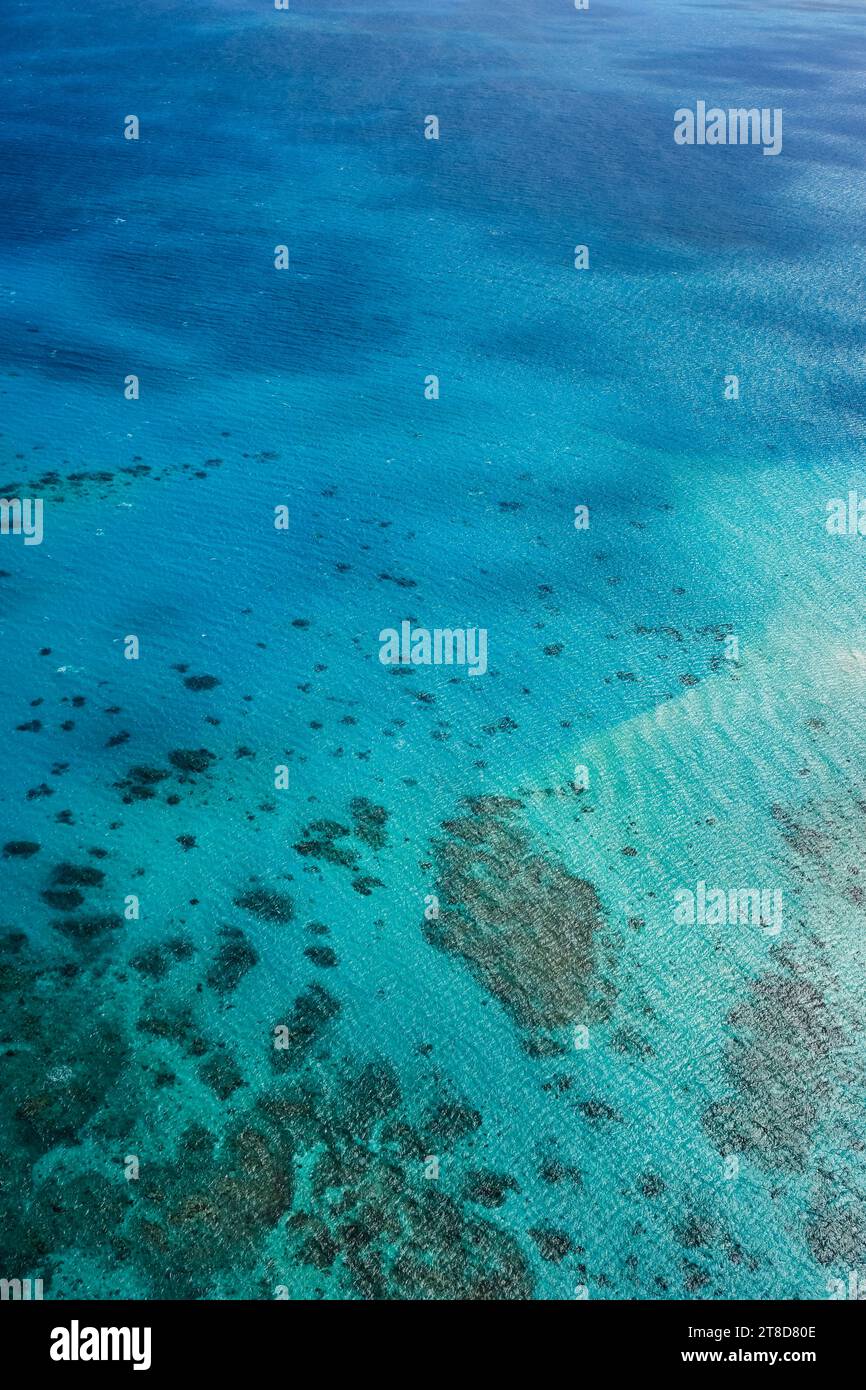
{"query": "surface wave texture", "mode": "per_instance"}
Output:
(535, 973)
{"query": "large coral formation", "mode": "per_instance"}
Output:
(793, 1061)
(776, 1063)
(530, 930)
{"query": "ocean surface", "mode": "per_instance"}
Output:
(323, 978)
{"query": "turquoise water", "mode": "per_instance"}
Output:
(708, 1142)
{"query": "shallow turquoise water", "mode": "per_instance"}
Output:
(305, 388)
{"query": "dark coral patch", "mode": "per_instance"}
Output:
(365, 884)
(599, 1110)
(553, 1245)
(147, 776)
(369, 821)
(236, 956)
(152, 961)
(222, 1075)
(488, 1189)
(140, 783)
(20, 849)
(201, 682)
(451, 1120)
(320, 842)
(324, 956)
(267, 904)
(191, 759)
(370, 1095)
(84, 930)
(307, 1019)
(77, 876)
(62, 899)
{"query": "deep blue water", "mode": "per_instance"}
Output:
(708, 1142)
